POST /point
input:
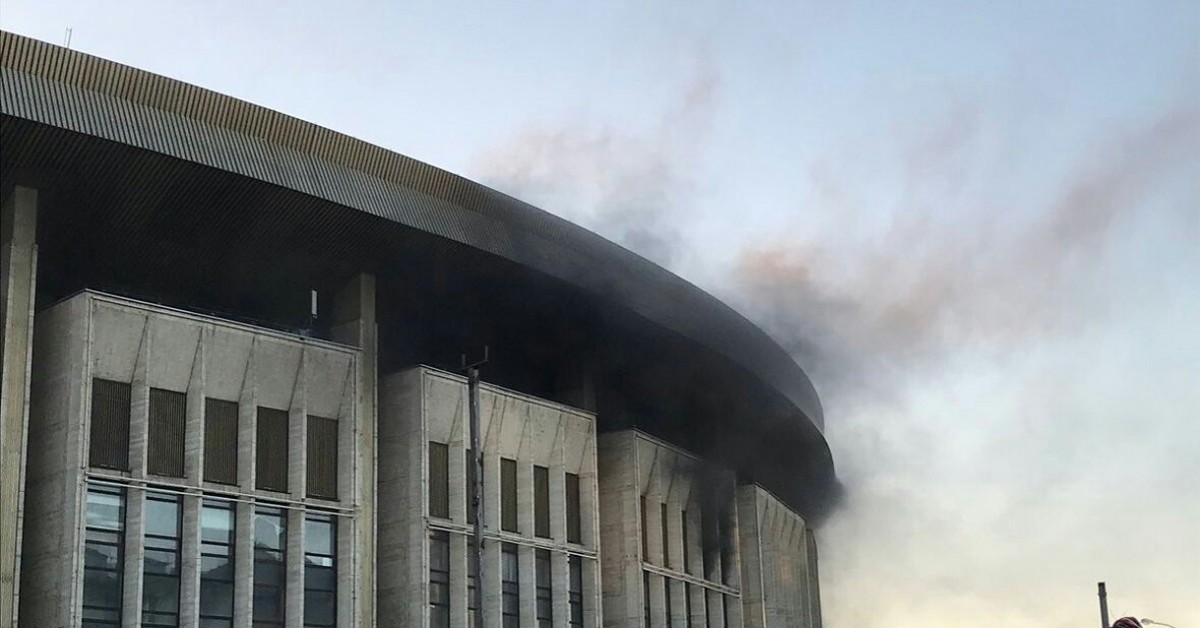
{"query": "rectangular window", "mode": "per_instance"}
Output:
(270, 554)
(645, 537)
(168, 420)
(439, 480)
(322, 458)
(320, 570)
(471, 582)
(109, 443)
(104, 556)
(575, 591)
(667, 599)
(439, 580)
(508, 495)
(666, 544)
(510, 587)
(541, 502)
(470, 474)
(217, 530)
(574, 520)
(271, 463)
(646, 598)
(160, 566)
(687, 604)
(687, 541)
(545, 601)
(220, 441)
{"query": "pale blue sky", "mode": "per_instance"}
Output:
(977, 224)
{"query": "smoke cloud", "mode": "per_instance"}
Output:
(971, 341)
(628, 185)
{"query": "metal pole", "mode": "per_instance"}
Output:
(477, 490)
(1103, 605)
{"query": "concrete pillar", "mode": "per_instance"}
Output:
(355, 324)
(139, 416)
(243, 564)
(298, 434)
(294, 592)
(193, 446)
(135, 555)
(189, 581)
(18, 283)
(527, 583)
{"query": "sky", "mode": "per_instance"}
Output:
(976, 225)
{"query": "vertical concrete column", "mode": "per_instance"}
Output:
(298, 433)
(189, 581)
(243, 564)
(18, 283)
(491, 580)
(135, 555)
(524, 495)
(294, 593)
(139, 416)
(458, 481)
(458, 579)
(560, 587)
(248, 423)
(658, 600)
(593, 595)
(193, 447)
(355, 324)
(813, 580)
(620, 536)
(752, 560)
(527, 581)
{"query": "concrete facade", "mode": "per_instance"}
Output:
(422, 406)
(18, 280)
(690, 561)
(98, 336)
(778, 563)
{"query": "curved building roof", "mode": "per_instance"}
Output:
(64, 110)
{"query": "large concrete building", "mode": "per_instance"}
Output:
(231, 390)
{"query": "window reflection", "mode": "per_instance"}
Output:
(217, 530)
(270, 540)
(320, 573)
(104, 549)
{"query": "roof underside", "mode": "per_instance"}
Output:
(161, 190)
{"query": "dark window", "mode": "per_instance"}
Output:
(510, 587)
(322, 458)
(470, 486)
(687, 564)
(541, 502)
(271, 463)
(687, 604)
(508, 495)
(439, 480)
(545, 601)
(439, 580)
(104, 556)
(646, 597)
(667, 599)
(645, 537)
(217, 529)
(160, 567)
(220, 441)
(666, 544)
(270, 580)
(574, 521)
(109, 445)
(320, 571)
(471, 582)
(575, 591)
(168, 420)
